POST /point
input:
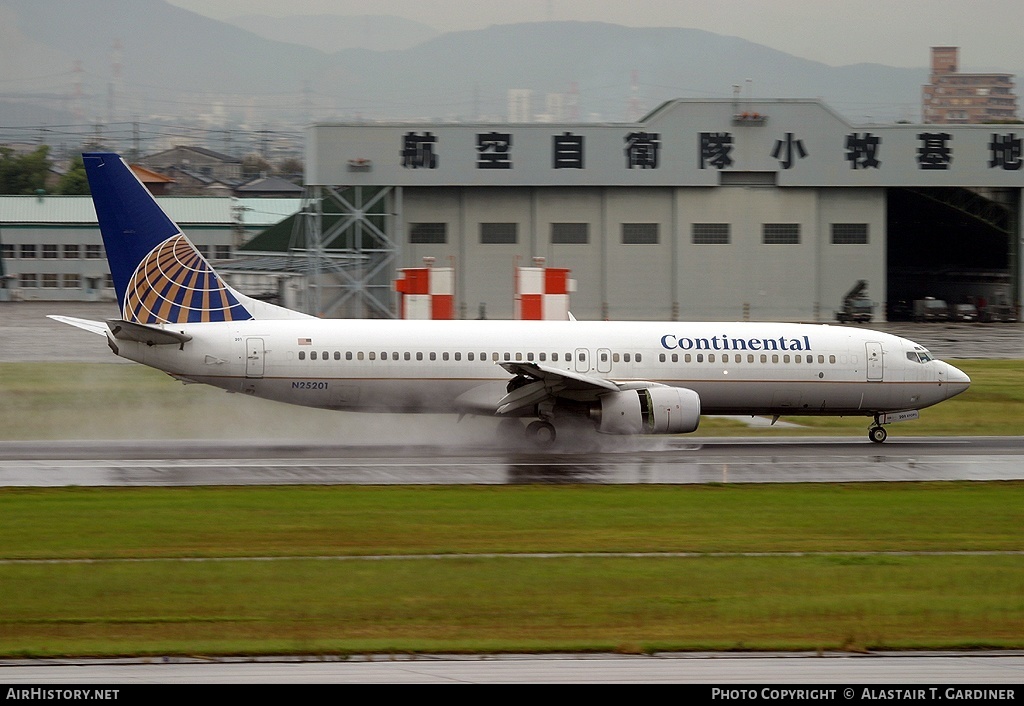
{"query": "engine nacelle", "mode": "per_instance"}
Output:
(649, 410)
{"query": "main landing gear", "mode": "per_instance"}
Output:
(541, 433)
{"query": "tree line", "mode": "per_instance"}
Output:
(26, 174)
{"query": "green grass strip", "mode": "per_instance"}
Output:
(96, 523)
(512, 605)
(472, 603)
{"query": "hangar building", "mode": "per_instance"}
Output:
(51, 248)
(703, 210)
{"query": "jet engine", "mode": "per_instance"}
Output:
(648, 410)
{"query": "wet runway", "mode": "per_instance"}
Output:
(852, 672)
(626, 461)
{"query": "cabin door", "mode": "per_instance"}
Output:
(875, 364)
(254, 357)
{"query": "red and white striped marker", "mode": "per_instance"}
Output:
(426, 292)
(543, 292)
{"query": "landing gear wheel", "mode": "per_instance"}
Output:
(541, 433)
(877, 434)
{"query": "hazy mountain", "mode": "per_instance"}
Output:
(331, 33)
(177, 63)
(162, 46)
(459, 72)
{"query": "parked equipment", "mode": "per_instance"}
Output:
(931, 309)
(856, 306)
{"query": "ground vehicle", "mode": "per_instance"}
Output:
(931, 309)
(999, 313)
(856, 306)
(965, 312)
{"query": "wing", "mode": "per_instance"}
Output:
(543, 382)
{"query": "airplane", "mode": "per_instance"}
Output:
(179, 316)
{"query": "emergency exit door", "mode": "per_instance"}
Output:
(582, 360)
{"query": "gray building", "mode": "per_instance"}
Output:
(51, 247)
(703, 210)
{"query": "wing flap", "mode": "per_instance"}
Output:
(569, 379)
(526, 396)
(545, 382)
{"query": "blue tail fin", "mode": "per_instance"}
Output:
(159, 275)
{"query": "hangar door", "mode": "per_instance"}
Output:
(951, 243)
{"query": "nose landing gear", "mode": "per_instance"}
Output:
(876, 432)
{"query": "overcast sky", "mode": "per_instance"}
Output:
(836, 32)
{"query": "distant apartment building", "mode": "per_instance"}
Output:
(957, 98)
(519, 109)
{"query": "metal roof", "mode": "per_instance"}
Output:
(184, 210)
(295, 263)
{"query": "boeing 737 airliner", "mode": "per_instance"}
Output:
(179, 316)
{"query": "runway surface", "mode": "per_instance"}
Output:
(849, 671)
(619, 461)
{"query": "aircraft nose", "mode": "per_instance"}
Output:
(956, 381)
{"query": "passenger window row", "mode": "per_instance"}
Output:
(419, 356)
(750, 358)
(443, 356)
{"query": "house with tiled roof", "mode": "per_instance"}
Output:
(197, 169)
(269, 186)
(157, 183)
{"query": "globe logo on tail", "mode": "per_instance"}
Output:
(175, 284)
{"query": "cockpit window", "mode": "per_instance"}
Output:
(919, 356)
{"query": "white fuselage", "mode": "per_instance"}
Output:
(425, 366)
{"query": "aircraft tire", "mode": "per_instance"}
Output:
(541, 433)
(877, 434)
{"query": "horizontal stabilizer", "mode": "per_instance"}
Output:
(97, 327)
(150, 335)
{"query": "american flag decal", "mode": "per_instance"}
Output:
(175, 284)
(305, 341)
